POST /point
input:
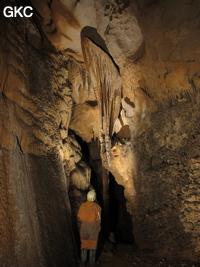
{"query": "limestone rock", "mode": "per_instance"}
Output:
(106, 83)
(63, 23)
(34, 203)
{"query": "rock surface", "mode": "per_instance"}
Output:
(35, 214)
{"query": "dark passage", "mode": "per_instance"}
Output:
(115, 218)
(119, 219)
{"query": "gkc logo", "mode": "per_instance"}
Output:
(11, 12)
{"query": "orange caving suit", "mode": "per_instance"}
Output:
(90, 216)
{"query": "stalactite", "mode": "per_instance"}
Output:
(77, 69)
(105, 80)
(80, 82)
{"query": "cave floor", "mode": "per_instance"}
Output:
(127, 255)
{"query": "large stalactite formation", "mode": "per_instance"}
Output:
(89, 87)
(105, 80)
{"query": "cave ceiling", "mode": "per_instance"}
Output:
(110, 24)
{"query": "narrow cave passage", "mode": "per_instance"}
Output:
(116, 223)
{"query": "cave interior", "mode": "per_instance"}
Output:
(104, 95)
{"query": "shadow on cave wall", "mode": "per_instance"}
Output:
(92, 34)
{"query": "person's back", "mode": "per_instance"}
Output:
(89, 212)
(89, 216)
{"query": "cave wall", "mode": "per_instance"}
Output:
(166, 129)
(35, 212)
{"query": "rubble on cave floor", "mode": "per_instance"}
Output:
(128, 255)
